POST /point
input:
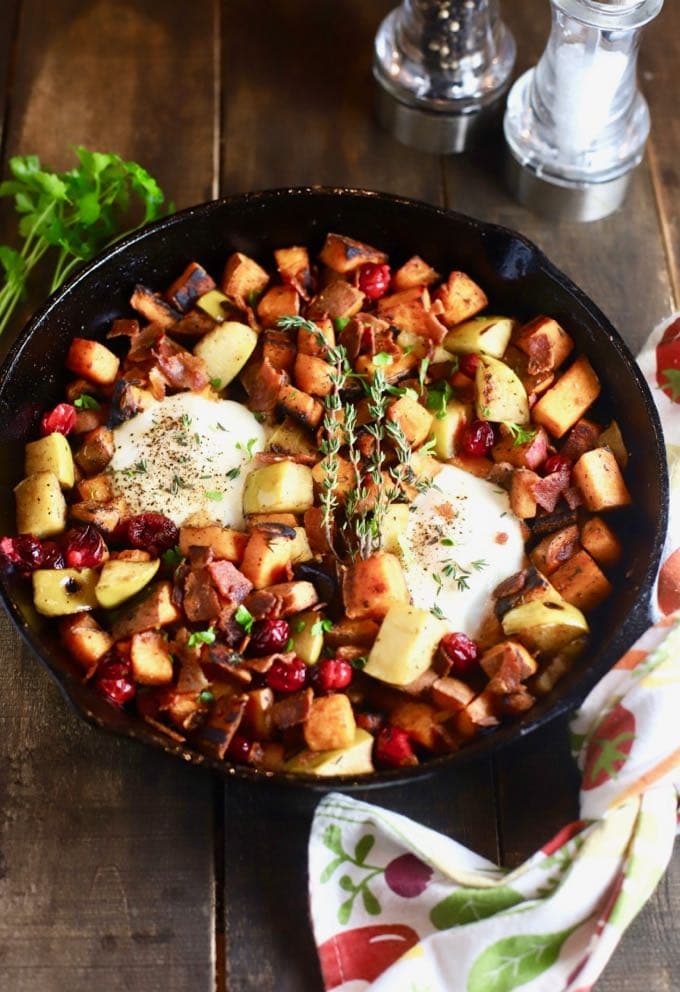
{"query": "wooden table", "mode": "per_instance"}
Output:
(121, 869)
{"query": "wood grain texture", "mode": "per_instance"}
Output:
(108, 847)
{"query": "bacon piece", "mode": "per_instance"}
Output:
(217, 733)
(124, 327)
(201, 601)
(547, 491)
(183, 370)
(263, 664)
(229, 582)
(142, 343)
(293, 710)
(263, 384)
(261, 604)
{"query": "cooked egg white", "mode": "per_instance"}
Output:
(462, 539)
(185, 455)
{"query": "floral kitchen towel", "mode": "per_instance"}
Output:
(397, 907)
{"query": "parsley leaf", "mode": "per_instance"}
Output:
(321, 626)
(206, 696)
(172, 557)
(213, 494)
(299, 626)
(359, 663)
(85, 402)
(438, 395)
(216, 383)
(382, 359)
(245, 618)
(201, 637)
(340, 323)
(521, 434)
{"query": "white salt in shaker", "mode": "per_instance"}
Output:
(576, 125)
(441, 67)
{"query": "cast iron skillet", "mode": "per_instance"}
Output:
(518, 279)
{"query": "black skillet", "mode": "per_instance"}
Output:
(519, 280)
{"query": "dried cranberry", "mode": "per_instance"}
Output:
(61, 420)
(333, 674)
(460, 651)
(152, 532)
(53, 556)
(112, 679)
(268, 637)
(393, 748)
(374, 280)
(468, 365)
(287, 676)
(239, 748)
(23, 553)
(556, 462)
(477, 439)
(85, 547)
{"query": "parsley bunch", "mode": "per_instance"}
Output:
(75, 213)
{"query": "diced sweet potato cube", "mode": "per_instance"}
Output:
(155, 609)
(567, 401)
(93, 361)
(507, 665)
(312, 342)
(266, 558)
(292, 597)
(97, 488)
(555, 549)
(522, 499)
(131, 554)
(225, 542)
(243, 279)
(293, 710)
(105, 516)
(294, 269)
(372, 585)
(601, 542)
(581, 438)
(301, 406)
(187, 288)
(598, 476)
(330, 723)
(414, 273)
(84, 639)
(581, 582)
(257, 717)
(402, 366)
(278, 301)
(546, 344)
(344, 254)
(450, 693)
(150, 658)
(528, 454)
(461, 298)
(339, 299)
(287, 519)
(413, 419)
(346, 477)
(313, 375)
(316, 532)
(480, 713)
(152, 306)
(278, 349)
(421, 721)
(96, 451)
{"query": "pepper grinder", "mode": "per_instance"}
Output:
(576, 125)
(440, 69)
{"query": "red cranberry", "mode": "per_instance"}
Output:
(268, 637)
(61, 420)
(554, 463)
(85, 547)
(468, 365)
(23, 553)
(152, 532)
(239, 748)
(287, 676)
(478, 438)
(113, 680)
(460, 651)
(53, 556)
(374, 280)
(393, 748)
(333, 674)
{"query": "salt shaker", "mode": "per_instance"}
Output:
(441, 67)
(576, 125)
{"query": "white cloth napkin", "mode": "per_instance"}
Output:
(397, 907)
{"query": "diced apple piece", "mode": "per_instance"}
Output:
(393, 526)
(85, 640)
(283, 487)
(93, 361)
(499, 393)
(446, 430)
(522, 499)
(414, 273)
(308, 636)
(60, 591)
(150, 658)
(40, 505)
(405, 644)
(330, 724)
(300, 549)
(344, 254)
(226, 543)
(564, 403)
(257, 716)
(51, 454)
(481, 336)
(120, 580)
(461, 298)
(546, 344)
(226, 349)
(545, 625)
(313, 375)
(290, 438)
(353, 760)
(601, 542)
(216, 305)
(581, 582)
(243, 279)
(413, 419)
(612, 438)
(598, 476)
(372, 586)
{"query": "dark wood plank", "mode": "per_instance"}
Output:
(108, 848)
(8, 26)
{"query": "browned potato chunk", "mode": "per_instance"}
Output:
(330, 723)
(567, 401)
(84, 640)
(278, 301)
(581, 438)
(313, 375)
(294, 269)
(226, 543)
(601, 542)
(415, 421)
(372, 585)
(461, 298)
(581, 582)
(154, 609)
(243, 279)
(257, 716)
(105, 516)
(598, 476)
(92, 361)
(97, 488)
(414, 273)
(96, 451)
(150, 658)
(555, 549)
(358, 633)
(345, 254)
(546, 344)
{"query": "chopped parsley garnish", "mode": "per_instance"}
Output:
(290, 644)
(448, 542)
(382, 359)
(201, 637)
(438, 395)
(185, 421)
(206, 696)
(359, 663)
(245, 618)
(521, 434)
(260, 417)
(422, 372)
(485, 411)
(219, 427)
(321, 626)
(85, 402)
(233, 473)
(252, 298)
(213, 494)
(216, 383)
(177, 484)
(299, 626)
(247, 447)
(172, 557)
(340, 323)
